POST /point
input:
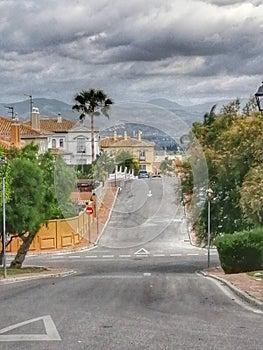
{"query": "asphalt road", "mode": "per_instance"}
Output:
(138, 289)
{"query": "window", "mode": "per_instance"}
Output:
(81, 148)
(61, 143)
(54, 144)
(142, 155)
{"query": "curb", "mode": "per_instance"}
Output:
(10, 280)
(240, 293)
(108, 219)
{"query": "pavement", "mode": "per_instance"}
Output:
(246, 287)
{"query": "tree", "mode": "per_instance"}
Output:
(40, 188)
(24, 211)
(209, 118)
(251, 106)
(102, 166)
(233, 151)
(232, 108)
(125, 159)
(92, 102)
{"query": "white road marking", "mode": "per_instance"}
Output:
(91, 256)
(74, 256)
(108, 256)
(192, 254)
(158, 255)
(176, 254)
(125, 256)
(51, 331)
(142, 251)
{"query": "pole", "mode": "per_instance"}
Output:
(89, 227)
(4, 227)
(97, 217)
(208, 232)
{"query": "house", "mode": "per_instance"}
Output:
(141, 150)
(13, 133)
(69, 138)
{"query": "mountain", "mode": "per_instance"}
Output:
(123, 112)
(47, 107)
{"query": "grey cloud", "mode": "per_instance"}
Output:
(66, 44)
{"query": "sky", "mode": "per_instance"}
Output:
(188, 51)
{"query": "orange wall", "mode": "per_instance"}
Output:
(56, 234)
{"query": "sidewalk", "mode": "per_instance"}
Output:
(98, 224)
(247, 287)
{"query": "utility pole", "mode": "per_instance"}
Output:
(30, 105)
(10, 110)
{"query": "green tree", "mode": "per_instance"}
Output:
(233, 152)
(40, 188)
(24, 211)
(125, 159)
(251, 106)
(102, 166)
(92, 102)
(232, 108)
(251, 196)
(209, 118)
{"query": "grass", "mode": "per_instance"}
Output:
(256, 274)
(23, 270)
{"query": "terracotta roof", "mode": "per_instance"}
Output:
(122, 142)
(52, 124)
(25, 130)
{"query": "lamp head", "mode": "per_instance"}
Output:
(259, 98)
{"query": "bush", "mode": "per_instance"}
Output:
(241, 252)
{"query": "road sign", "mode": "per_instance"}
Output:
(89, 210)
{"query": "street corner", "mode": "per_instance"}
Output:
(45, 273)
(241, 284)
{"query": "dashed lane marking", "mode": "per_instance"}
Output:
(125, 256)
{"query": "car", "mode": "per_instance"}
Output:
(156, 176)
(143, 174)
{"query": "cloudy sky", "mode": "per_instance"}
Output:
(188, 51)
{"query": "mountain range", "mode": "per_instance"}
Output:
(51, 108)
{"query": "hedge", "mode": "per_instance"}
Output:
(241, 252)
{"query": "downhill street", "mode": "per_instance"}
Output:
(138, 289)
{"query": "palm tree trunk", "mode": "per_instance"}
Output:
(92, 136)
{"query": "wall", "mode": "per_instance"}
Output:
(56, 235)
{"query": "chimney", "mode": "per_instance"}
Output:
(15, 133)
(139, 135)
(125, 135)
(59, 119)
(35, 118)
(115, 135)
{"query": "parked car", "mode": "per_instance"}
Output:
(156, 176)
(143, 174)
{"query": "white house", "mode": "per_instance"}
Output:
(69, 138)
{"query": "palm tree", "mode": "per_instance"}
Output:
(92, 102)
(210, 117)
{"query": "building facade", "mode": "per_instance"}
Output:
(141, 150)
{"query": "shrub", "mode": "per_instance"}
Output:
(241, 252)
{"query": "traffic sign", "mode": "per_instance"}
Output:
(89, 210)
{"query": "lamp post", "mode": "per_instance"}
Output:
(259, 98)
(209, 194)
(3, 166)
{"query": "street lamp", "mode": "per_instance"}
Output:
(3, 167)
(259, 98)
(209, 194)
